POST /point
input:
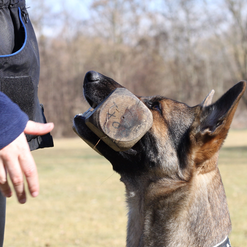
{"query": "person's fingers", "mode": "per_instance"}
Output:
(15, 174)
(34, 128)
(3, 177)
(4, 186)
(29, 169)
(17, 160)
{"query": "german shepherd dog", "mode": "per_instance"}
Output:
(174, 190)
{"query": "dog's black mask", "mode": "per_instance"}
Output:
(96, 88)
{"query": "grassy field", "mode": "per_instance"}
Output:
(81, 202)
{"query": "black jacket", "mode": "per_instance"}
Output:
(20, 65)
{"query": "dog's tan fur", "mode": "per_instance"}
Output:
(174, 190)
(178, 208)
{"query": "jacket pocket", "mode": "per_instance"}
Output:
(15, 35)
(21, 91)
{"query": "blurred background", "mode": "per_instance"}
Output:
(177, 48)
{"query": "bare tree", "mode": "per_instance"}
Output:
(229, 33)
(238, 28)
(117, 23)
(179, 25)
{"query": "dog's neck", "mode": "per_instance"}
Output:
(189, 216)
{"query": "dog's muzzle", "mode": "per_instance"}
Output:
(121, 120)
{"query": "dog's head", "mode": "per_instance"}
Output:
(182, 139)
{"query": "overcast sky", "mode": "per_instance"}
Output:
(78, 7)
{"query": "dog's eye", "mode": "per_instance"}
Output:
(156, 106)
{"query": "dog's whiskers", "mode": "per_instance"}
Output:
(99, 142)
(96, 144)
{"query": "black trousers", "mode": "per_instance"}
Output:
(2, 217)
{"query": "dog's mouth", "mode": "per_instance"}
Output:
(92, 104)
(115, 116)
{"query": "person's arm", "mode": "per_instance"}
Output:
(12, 120)
(15, 155)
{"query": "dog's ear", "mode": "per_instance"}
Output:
(208, 100)
(212, 123)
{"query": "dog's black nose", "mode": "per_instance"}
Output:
(92, 76)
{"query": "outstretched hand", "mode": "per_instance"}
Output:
(17, 160)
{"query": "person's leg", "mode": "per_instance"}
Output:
(2, 217)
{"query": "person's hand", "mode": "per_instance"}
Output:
(16, 160)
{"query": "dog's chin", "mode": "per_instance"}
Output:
(80, 127)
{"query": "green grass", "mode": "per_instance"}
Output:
(233, 167)
(82, 203)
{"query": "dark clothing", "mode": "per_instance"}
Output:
(2, 217)
(19, 78)
(20, 66)
(12, 121)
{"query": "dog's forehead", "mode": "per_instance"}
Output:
(174, 119)
(177, 115)
(171, 108)
(177, 111)
(173, 105)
